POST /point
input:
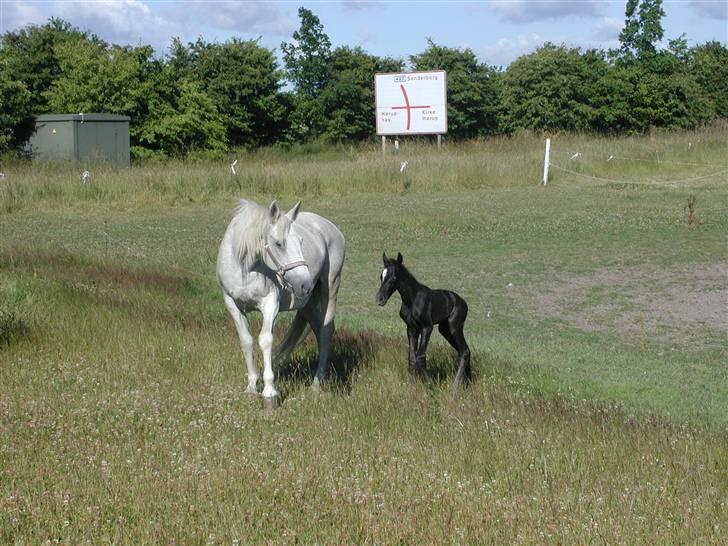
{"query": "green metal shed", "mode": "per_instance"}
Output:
(82, 137)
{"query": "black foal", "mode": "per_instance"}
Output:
(421, 309)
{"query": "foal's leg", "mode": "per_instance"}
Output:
(413, 336)
(457, 341)
(421, 359)
(269, 308)
(464, 371)
(246, 341)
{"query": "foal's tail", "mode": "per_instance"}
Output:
(296, 333)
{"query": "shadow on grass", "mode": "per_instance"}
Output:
(350, 352)
(12, 327)
(442, 364)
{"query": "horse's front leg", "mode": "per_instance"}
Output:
(246, 341)
(421, 357)
(413, 335)
(269, 308)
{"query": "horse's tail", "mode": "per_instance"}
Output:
(296, 333)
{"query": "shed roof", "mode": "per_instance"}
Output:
(81, 117)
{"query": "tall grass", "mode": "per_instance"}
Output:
(507, 162)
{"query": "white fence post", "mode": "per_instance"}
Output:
(384, 145)
(547, 155)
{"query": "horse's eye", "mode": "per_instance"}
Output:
(279, 244)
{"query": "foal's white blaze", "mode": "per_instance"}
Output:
(384, 275)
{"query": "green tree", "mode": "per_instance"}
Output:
(308, 67)
(472, 89)
(29, 55)
(709, 65)
(15, 109)
(170, 114)
(642, 29)
(551, 89)
(243, 80)
(348, 98)
(29, 66)
(634, 97)
(650, 87)
(95, 77)
(181, 123)
(307, 58)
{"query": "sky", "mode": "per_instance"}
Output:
(498, 31)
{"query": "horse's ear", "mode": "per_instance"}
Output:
(274, 212)
(293, 213)
(384, 258)
(399, 258)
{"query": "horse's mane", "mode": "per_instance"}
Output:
(249, 224)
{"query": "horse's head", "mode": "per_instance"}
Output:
(283, 253)
(388, 278)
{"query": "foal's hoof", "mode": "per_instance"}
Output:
(271, 402)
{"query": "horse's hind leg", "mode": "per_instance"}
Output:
(246, 341)
(326, 331)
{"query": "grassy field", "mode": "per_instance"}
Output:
(597, 318)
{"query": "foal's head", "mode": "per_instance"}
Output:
(388, 278)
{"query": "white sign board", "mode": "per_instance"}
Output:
(412, 103)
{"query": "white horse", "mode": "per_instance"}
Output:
(280, 262)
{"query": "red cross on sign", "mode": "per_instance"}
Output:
(407, 106)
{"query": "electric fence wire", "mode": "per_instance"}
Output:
(624, 181)
(657, 160)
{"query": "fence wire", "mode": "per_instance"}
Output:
(639, 182)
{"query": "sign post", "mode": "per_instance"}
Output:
(411, 103)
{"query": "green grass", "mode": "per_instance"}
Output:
(597, 319)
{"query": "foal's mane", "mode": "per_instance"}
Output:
(406, 274)
(250, 221)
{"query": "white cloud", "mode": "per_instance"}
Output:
(137, 22)
(357, 5)
(14, 15)
(528, 11)
(119, 21)
(250, 17)
(506, 50)
(713, 9)
(607, 29)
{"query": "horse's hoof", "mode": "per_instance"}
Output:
(271, 402)
(316, 385)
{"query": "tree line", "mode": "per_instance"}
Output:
(204, 98)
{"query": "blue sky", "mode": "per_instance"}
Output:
(497, 31)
